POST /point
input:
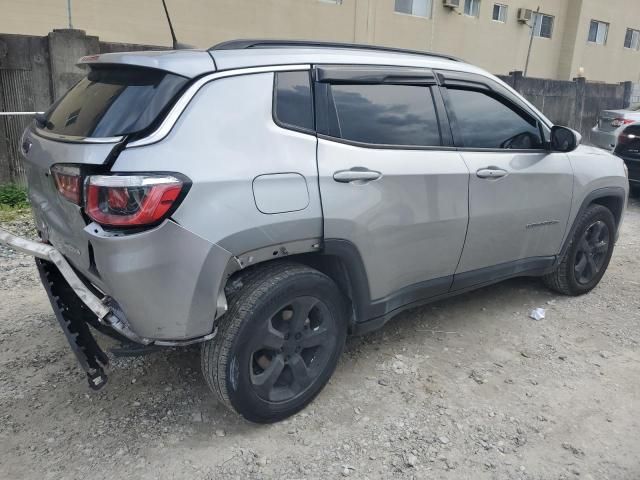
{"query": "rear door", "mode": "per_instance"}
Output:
(519, 192)
(390, 181)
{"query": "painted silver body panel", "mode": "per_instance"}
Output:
(188, 63)
(225, 138)
(260, 191)
(280, 192)
(59, 220)
(409, 225)
(594, 169)
(176, 111)
(507, 215)
(166, 280)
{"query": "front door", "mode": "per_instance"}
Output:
(519, 193)
(388, 185)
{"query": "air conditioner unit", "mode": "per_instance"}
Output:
(451, 3)
(524, 15)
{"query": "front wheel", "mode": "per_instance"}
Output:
(278, 344)
(587, 258)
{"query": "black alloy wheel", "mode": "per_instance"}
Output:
(591, 253)
(292, 349)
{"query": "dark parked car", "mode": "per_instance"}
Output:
(628, 147)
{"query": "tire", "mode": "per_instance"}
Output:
(588, 255)
(279, 342)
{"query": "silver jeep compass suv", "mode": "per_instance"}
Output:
(266, 198)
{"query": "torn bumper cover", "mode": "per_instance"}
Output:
(77, 306)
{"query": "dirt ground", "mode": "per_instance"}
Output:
(468, 388)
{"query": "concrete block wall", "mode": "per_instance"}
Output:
(575, 104)
(35, 72)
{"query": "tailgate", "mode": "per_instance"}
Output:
(112, 103)
(58, 220)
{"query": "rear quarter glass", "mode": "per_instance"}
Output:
(114, 100)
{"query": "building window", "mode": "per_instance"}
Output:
(472, 8)
(632, 39)
(419, 8)
(500, 12)
(598, 32)
(542, 25)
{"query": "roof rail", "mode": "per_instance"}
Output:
(257, 43)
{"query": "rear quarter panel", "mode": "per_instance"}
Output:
(223, 141)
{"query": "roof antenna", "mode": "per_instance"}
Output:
(176, 45)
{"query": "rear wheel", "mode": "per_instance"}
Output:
(278, 344)
(585, 261)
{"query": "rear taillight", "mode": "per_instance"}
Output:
(131, 200)
(618, 122)
(68, 182)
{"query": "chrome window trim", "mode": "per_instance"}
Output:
(75, 139)
(172, 117)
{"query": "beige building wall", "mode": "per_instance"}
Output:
(498, 47)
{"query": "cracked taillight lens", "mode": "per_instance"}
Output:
(131, 200)
(68, 181)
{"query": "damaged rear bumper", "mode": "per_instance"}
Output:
(99, 306)
(78, 305)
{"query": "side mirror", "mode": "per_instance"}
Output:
(564, 139)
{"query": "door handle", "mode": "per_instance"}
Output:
(491, 172)
(357, 175)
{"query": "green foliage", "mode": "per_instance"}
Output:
(13, 196)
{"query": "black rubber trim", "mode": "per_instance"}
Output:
(489, 276)
(356, 273)
(410, 295)
(473, 81)
(372, 314)
(374, 75)
(380, 146)
(534, 266)
(617, 192)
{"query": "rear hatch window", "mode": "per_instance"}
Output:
(114, 100)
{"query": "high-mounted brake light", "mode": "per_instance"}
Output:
(68, 182)
(131, 200)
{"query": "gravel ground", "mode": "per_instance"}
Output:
(468, 388)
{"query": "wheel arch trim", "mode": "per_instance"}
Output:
(602, 196)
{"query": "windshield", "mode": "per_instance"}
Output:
(114, 100)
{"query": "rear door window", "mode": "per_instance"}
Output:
(114, 100)
(293, 106)
(485, 121)
(401, 115)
